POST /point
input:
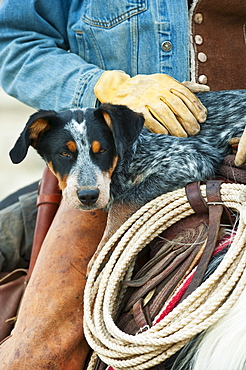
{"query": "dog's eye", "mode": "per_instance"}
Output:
(65, 154)
(102, 150)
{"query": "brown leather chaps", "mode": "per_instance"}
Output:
(48, 333)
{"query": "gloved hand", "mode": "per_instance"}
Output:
(240, 158)
(167, 105)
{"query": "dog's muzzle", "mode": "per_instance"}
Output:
(88, 197)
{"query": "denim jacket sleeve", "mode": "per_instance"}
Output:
(53, 53)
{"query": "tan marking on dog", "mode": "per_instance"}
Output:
(40, 125)
(62, 181)
(71, 145)
(111, 170)
(50, 165)
(107, 119)
(95, 146)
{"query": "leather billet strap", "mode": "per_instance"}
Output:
(194, 196)
(215, 209)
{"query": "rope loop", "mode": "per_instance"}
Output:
(201, 309)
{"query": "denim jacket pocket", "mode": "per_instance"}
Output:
(112, 12)
(101, 29)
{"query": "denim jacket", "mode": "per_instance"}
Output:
(52, 53)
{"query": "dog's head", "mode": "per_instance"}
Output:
(82, 148)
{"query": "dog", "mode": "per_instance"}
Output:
(104, 157)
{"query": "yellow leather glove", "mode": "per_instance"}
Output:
(167, 105)
(240, 158)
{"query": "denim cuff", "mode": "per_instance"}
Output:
(84, 94)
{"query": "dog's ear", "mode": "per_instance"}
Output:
(125, 124)
(37, 125)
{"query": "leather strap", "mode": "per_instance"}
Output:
(49, 199)
(215, 207)
(157, 264)
(171, 285)
(48, 202)
(194, 196)
(178, 250)
(175, 260)
(142, 320)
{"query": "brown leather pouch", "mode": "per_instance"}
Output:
(12, 286)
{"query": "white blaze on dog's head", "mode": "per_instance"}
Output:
(85, 175)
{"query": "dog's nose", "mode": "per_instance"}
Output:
(88, 196)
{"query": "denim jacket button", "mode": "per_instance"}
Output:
(166, 46)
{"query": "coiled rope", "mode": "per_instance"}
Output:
(205, 306)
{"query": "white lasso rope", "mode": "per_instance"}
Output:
(205, 306)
